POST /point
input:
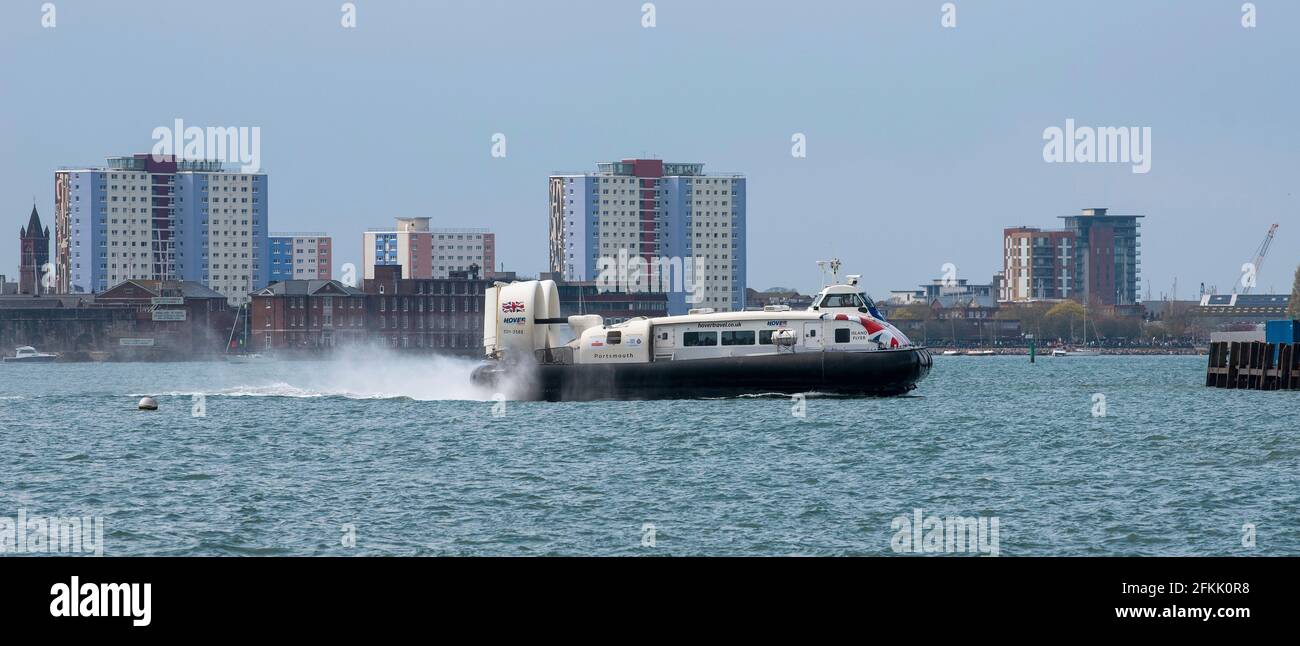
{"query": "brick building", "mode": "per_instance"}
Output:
(306, 315)
(444, 315)
(437, 315)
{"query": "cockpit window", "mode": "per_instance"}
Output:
(841, 300)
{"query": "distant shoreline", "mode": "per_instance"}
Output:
(1047, 352)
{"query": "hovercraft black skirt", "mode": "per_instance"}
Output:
(878, 373)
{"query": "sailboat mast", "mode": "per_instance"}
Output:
(231, 340)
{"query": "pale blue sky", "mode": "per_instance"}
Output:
(923, 142)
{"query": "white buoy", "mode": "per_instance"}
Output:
(148, 403)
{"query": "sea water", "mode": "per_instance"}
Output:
(366, 454)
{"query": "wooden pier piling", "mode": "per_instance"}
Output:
(1254, 365)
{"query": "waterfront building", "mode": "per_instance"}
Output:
(7, 287)
(306, 315)
(300, 256)
(442, 315)
(146, 218)
(425, 252)
(964, 307)
(34, 242)
(126, 322)
(1037, 265)
(1106, 258)
(668, 216)
(177, 319)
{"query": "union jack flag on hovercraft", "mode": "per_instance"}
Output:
(878, 332)
(511, 307)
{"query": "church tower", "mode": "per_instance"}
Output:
(35, 242)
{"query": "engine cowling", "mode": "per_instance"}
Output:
(520, 317)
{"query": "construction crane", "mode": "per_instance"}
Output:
(1246, 285)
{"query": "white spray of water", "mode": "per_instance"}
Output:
(368, 373)
(372, 374)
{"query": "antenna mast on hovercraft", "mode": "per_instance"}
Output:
(834, 265)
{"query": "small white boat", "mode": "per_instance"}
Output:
(247, 358)
(1059, 352)
(980, 353)
(949, 353)
(1066, 352)
(28, 354)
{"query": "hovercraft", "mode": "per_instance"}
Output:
(839, 345)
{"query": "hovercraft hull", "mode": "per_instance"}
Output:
(879, 373)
